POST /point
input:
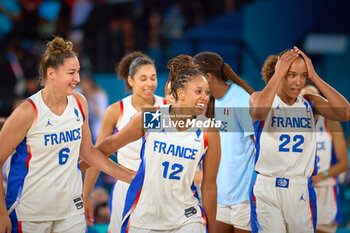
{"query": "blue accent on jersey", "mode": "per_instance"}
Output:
(134, 189)
(338, 214)
(76, 112)
(206, 224)
(254, 223)
(312, 199)
(17, 174)
(315, 166)
(198, 133)
(311, 105)
(258, 128)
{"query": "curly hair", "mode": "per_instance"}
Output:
(268, 69)
(129, 65)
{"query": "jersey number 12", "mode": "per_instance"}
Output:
(176, 168)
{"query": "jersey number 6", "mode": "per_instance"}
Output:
(63, 156)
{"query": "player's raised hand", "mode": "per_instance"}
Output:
(310, 67)
(285, 61)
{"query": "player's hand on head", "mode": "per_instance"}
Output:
(5, 224)
(285, 61)
(309, 66)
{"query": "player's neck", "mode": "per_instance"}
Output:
(180, 114)
(285, 98)
(138, 102)
(220, 89)
(55, 101)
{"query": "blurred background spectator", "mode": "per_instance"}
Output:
(97, 101)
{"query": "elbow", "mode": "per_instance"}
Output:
(84, 157)
(258, 114)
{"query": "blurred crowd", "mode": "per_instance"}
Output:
(102, 32)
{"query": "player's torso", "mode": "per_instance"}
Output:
(286, 140)
(167, 198)
(52, 185)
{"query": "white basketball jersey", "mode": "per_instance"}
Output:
(44, 176)
(325, 155)
(285, 141)
(162, 195)
(129, 155)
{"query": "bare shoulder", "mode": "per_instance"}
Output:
(315, 99)
(81, 98)
(22, 118)
(114, 108)
(213, 134)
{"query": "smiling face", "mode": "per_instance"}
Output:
(65, 77)
(294, 81)
(144, 82)
(195, 94)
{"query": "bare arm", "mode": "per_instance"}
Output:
(261, 102)
(12, 133)
(108, 125)
(96, 157)
(129, 133)
(335, 106)
(210, 169)
(340, 149)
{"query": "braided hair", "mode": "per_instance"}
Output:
(210, 62)
(181, 70)
(213, 63)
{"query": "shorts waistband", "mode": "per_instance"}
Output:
(282, 182)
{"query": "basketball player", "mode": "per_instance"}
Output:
(283, 199)
(48, 132)
(161, 199)
(231, 107)
(140, 76)
(331, 161)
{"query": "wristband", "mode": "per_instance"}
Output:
(325, 173)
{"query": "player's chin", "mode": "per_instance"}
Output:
(198, 110)
(70, 91)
